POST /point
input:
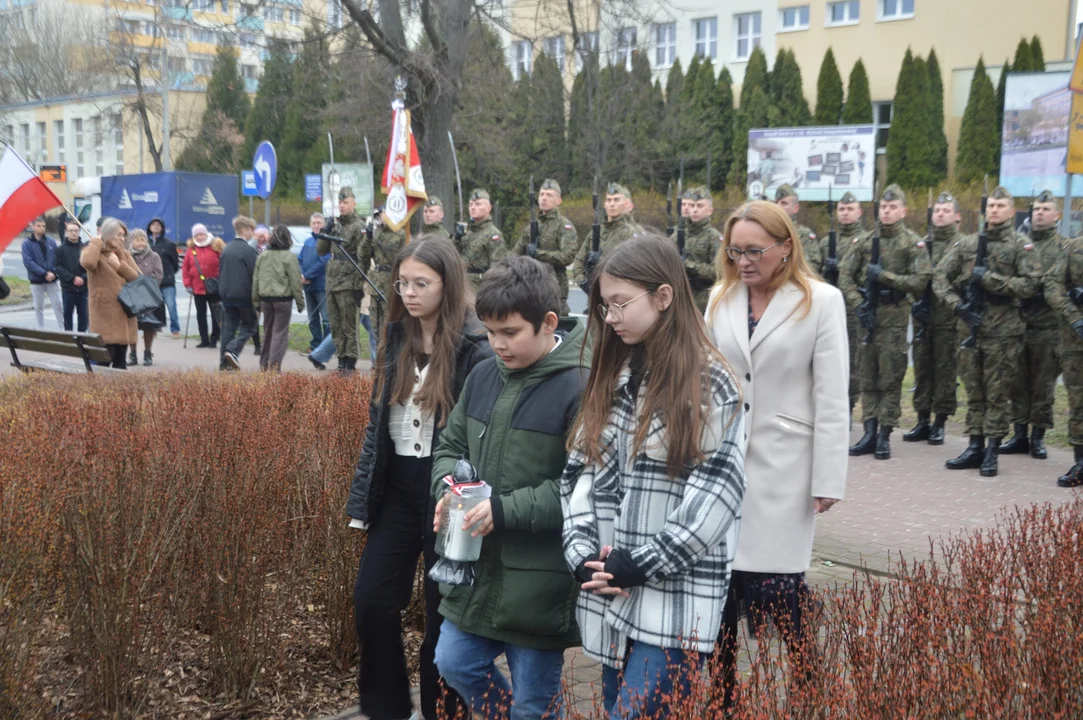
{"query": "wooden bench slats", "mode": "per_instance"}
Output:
(89, 339)
(99, 354)
(87, 347)
(68, 368)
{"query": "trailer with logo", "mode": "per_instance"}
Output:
(180, 199)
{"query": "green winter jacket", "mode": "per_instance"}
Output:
(512, 425)
(277, 276)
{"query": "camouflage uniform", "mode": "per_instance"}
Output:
(613, 233)
(934, 351)
(906, 270)
(481, 247)
(1058, 284)
(849, 235)
(809, 242)
(701, 245)
(436, 228)
(381, 250)
(557, 243)
(345, 286)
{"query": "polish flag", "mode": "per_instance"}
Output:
(23, 196)
(402, 182)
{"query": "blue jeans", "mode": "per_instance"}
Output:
(366, 322)
(465, 661)
(317, 310)
(325, 351)
(169, 293)
(649, 675)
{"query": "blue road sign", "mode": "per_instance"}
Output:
(313, 188)
(265, 163)
(248, 183)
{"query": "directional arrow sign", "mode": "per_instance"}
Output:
(265, 163)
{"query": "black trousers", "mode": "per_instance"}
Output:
(398, 535)
(119, 355)
(239, 323)
(202, 303)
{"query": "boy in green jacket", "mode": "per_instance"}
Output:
(511, 423)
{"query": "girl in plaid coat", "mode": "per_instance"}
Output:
(655, 477)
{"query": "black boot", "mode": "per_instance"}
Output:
(1018, 444)
(920, 431)
(971, 458)
(1074, 477)
(148, 358)
(132, 359)
(883, 443)
(349, 366)
(1037, 444)
(867, 444)
(989, 463)
(936, 432)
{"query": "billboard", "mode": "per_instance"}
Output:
(352, 175)
(812, 160)
(180, 199)
(1034, 146)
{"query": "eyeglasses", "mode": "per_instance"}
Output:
(617, 310)
(420, 286)
(753, 254)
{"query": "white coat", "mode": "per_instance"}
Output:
(795, 374)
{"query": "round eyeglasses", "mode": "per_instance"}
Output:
(420, 286)
(753, 254)
(617, 311)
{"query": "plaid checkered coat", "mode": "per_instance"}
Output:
(681, 532)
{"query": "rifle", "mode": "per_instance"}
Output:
(669, 208)
(923, 308)
(871, 291)
(974, 306)
(595, 240)
(460, 227)
(680, 211)
(831, 269)
(532, 248)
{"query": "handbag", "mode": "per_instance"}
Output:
(140, 296)
(209, 284)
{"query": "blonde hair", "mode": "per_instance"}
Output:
(135, 235)
(775, 222)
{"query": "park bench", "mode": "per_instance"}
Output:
(88, 347)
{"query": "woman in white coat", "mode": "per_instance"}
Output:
(783, 331)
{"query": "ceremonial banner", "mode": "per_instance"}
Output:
(403, 183)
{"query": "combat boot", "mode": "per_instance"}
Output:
(1074, 477)
(921, 430)
(971, 458)
(1018, 444)
(989, 463)
(936, 432)
(349, 366)
(867, 444)
(1037, 444)
(883, 444)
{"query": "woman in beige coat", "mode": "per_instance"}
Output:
(109, 266)
(783, 331)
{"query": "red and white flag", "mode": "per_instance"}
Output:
(402, 183)
(23, 196)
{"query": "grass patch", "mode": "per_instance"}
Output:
(20, 292)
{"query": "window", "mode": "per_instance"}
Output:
(58, 144)
(177, 65)
(295, 17)
(626, 45)
(43, 138)
(793, 18)
(225, 7)
(118, 143)
(522, 57)
(99, 145)
(25, 135)
(334, 14)
(554, 48)
(665, 44)
(174, 32)
(705, 32)
(588, 45)
(250, 72)
(896, 9)
(843, 13)
(273, 13)
(882, 113)
(78, 147)
(9, 135)
(248, 40)
(748, 34)
(202, 66)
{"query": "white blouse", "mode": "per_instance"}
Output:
(410, 426)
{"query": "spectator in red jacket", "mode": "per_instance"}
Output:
(201, 265)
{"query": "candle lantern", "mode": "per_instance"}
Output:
(455, 543)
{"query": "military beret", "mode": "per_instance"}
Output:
(700, 192)
(434, 201)
(848, 197)
(618, 189)
(480, 194)
(1001, 193)
(346, 192)
(945, 197)
(1045, 197)
(892, 193)
(551, 184)
(784, 191)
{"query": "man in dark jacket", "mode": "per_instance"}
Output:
(39, 258)
(313, 276)
(235, 270)
(171, 262)
(72, 277)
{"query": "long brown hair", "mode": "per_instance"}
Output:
(436, 394)
(776, 223)
(676, 352)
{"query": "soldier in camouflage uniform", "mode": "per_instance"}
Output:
(701, 243)
(850, 232)
(433, 215)
(618, 227)
(481, 244)
(1036, 379)
(935, 349)
(345, 286)
(557, 241)
(379, 251)
(786, 198)
(1063, 286)
(1013, 271)
(904, 269)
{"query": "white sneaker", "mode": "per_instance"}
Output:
(232, 361)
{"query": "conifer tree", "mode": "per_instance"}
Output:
(225, 90)
(1037, 56)
(901, 137)
(790, 98)
(1023, 61)
(675, 115)
(978, 138)
(754, 113)
(638, 130)
(936, 113)
(722, 158)
(216, 147)
(1002, 91)
(545, 120)
(911, 148)
(828, 92)
(755, 74)
(858, 108)
(301, 132)
(267, 118)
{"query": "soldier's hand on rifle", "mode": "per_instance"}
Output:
(460, 230)
(874, 272)
(329, 228)
(1077, 326)
(532, 250)
(978, 274)
(1076, 295)
(593, 258)
(866, 315)
(922, 312)
(969, 317)
(831, 268)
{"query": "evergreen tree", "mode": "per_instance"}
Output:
(901, 136)
(978, 138)
(301, 132)
(579, 130)
(674, 82)
(774, 86)
(1023, 61)
(828, 92)
(1037, 56)
(267, 118)
(790, 99)
(226, 91)
(1002, 91)
(216, 147)
(755, 74)
(754, 113)
(675, 114)
(638, 130)
(545, 121)
(725, 117)
(911, 147)
(858, 108)
(936, 113)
